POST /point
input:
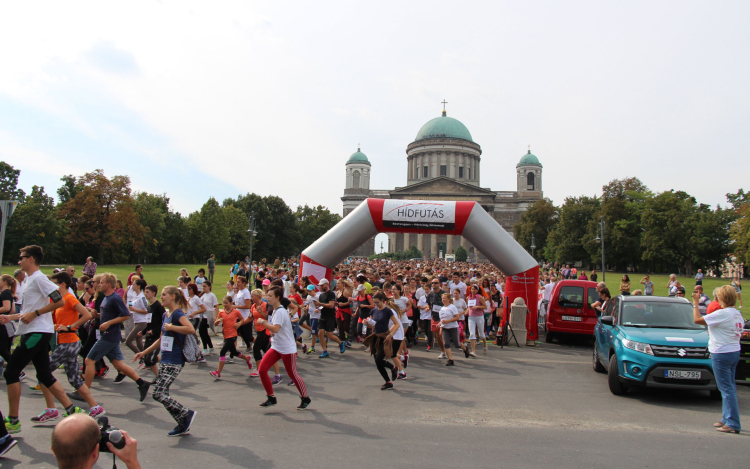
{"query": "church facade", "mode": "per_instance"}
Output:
(443, 163)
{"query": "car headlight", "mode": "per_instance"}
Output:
(637, 346)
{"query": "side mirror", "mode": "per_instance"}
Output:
(607, 320)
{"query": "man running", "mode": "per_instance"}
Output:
(327, 322)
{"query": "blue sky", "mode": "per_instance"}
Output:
(197, 99)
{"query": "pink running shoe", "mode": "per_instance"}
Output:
(96, 411)
(249, 362)
(46, 416)
(254, 374)
(215, 374)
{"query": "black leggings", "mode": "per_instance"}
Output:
(86, 347)
(262, 343)
(34, 348)
(342, 325)
(246, 332)
(203, 329)
(427, 329)
(380, 360)
(229, 346)
(5, 343)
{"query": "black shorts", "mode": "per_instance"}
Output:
(327, 323)
(305, 319)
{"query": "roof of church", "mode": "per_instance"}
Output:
(358, 157)
(529, 159)
(444, 127)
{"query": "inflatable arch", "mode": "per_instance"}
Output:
(466, 219)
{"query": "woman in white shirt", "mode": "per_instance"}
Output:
(403, 304)
(449, 328)
(138, 308)
(196, 312)
(724, 333)
(211, 303)
(460, 305)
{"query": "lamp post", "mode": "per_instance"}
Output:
(381, 247)
(252, 232)
(601, 238)
(533, 245)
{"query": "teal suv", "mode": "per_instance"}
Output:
(647, 341)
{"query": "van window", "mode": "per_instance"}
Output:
(593, 296)
(570, 297)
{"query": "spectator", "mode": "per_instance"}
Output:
(211, 266)
(138, 272)
(75, 444)
(699, 277)
(625, 285)
(593, 276)
(704, 300)
(90, 267)
(74, 281)
(648, 285)
(673, 285)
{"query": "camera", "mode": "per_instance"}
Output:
(109, 434)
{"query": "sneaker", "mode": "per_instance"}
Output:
(449, 363)
(102, 373)
(324, 355)
(249, 362)
(271, 401)
(349, 343)
(178, 431)
(230, 360)
(466, 352)
(188, 420)
(290, 383)
(429, 348)
(76, 410)
(310, 351)
(367, 350)
(485, 348)
(142, 366)
(210, 350)
(442, 355)
(342, 347)
(386, 387)
(472, 354)
(47, 416)
(143, 388)
(276, 380)
(215, 374)
(74, 396)
(96, 411)
(254, 374)
(305, 402)
(10, 442)
(119, 378)
(304, 348)
(394, 373)
(401, 376)
(201, 360)
(406, 360)
(22, 376)
(205, 352)
(36, 389)
(12, 427)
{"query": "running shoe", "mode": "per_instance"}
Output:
(310, 351)
(205, 352)
(142, 366)
(22, 376)
(442, 355)
(102, 372)
(210, 350)
(12, 427)
(324, 355)
(47, 416)
(119, 378)
(429, 348)
(342, 347)
(96, 411)
(188, 420)
(386, 387)
(271, 401)
(367, 349)
(36, 389)
(406, 360)
(249, 362)
(304, 348)
(394, 373)
(290, 383)
(276, 379)
(75, 396)
(9, 442)
(349, 343)
(230, 361)
(401, 376)
(472, 354)
(305, 402)
(254, 374)
(143, 389)
(215, 374)
(76, 410)
(449, 363)
(201, 360)
(466, 352)
(485, 348)
(179, 430)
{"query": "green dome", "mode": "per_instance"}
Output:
(358, 157)
(444, 127)
(529, 158)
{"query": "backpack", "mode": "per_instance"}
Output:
(190, 348)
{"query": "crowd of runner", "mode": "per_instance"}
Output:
(264, 315)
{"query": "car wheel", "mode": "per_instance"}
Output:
(597, 364)
(715, 395)
(615, 386)
(549, 336)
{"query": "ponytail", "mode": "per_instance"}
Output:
(10, 282)
(179, 297)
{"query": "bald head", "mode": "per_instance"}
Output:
(75, 440)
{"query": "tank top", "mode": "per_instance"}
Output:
(342, 299)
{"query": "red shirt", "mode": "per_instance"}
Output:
(230, 319)
(713, 306)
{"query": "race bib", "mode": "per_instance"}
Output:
(472, 303)
(98, 334)
(437, 308)
(166, 343)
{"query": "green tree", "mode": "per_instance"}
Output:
(151, 210)
(9, 183)
(239, 238)
(275, 224)
(740, 229)
(565, 241)
(538, 220)
(461, 254)
(69, 189)
(312, 223)
(34, 222)
(413, 253)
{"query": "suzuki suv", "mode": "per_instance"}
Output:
(649, 341)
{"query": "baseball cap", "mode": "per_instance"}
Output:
(266, 282)
(323, 282)
(361, 288)
(310, 288)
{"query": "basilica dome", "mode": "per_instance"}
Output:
(358, 157)
(444, 127)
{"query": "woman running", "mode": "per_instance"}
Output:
(261, 310)
(385, 324)
(460, 305)
(476, 305)
(403, 304)
(7, 307)
(139, 310)
(283, 347)
(211, 304)
(229, 319)
(175, 326)
(196, 311)
(449, 328)
(343, 309)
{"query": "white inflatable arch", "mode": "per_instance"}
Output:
(466, 219)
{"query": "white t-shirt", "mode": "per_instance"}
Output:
(399, 334)
(458, 286)
(419, 293)
(724, 330)
(194, 304)
(19, 290)
(548, 291)
(314, 312)
(35, 296)
(230, 293)
(209, 301)
(130, 297)
(283, 341)
(239, 299)
(401, 302)
(140, 302)
(449, 312)
(199, 282)
(424, 314)
(460, 307)
(185, 292)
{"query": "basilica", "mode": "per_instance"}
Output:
(443, 163)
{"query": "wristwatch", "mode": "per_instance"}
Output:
(68, 327)
(37, 312)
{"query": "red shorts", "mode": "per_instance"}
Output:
(435, 326)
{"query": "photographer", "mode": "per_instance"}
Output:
(75, 444)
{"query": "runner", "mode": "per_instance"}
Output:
(327, 324)
(230, 320)
(139, 309)
(283, 348)
(212, 312)
(156, 312)
(7, 307)
(434, 300)
(261, 310)
(243, 303)
(401, 305)
(385, 324)
(175, 328)
(477, 305)
(344, 309)
(449, 328)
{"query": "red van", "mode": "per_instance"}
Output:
(569, 309)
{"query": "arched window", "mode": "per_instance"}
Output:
(530, 181)
(355, 180)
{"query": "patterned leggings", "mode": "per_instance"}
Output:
(167, 375)
(67, 355)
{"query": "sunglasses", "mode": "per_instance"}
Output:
(21, 257)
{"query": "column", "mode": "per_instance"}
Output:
(449, 244)
(391, 242)
(406, 242)
(478, 165)
(420, 243)
(453, 171)
(463, 242)
(433, 245)
(434, 170)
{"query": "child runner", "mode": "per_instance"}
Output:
(230, 320)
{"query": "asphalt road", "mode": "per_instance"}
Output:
(521, 407)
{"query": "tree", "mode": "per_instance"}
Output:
(69, 189)
(151, 210)
(538, 220)
(9, 183)
(102, 215)
(312, 223)
(275, 224)
(461, 254)
(565, 241)
(414, 253)
(239, 239)
(740, 229)
(33, 222)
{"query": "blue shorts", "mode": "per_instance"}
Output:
(314, 325)
(104, 348)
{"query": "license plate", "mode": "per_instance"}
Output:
(677, 374)
(572, 318)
